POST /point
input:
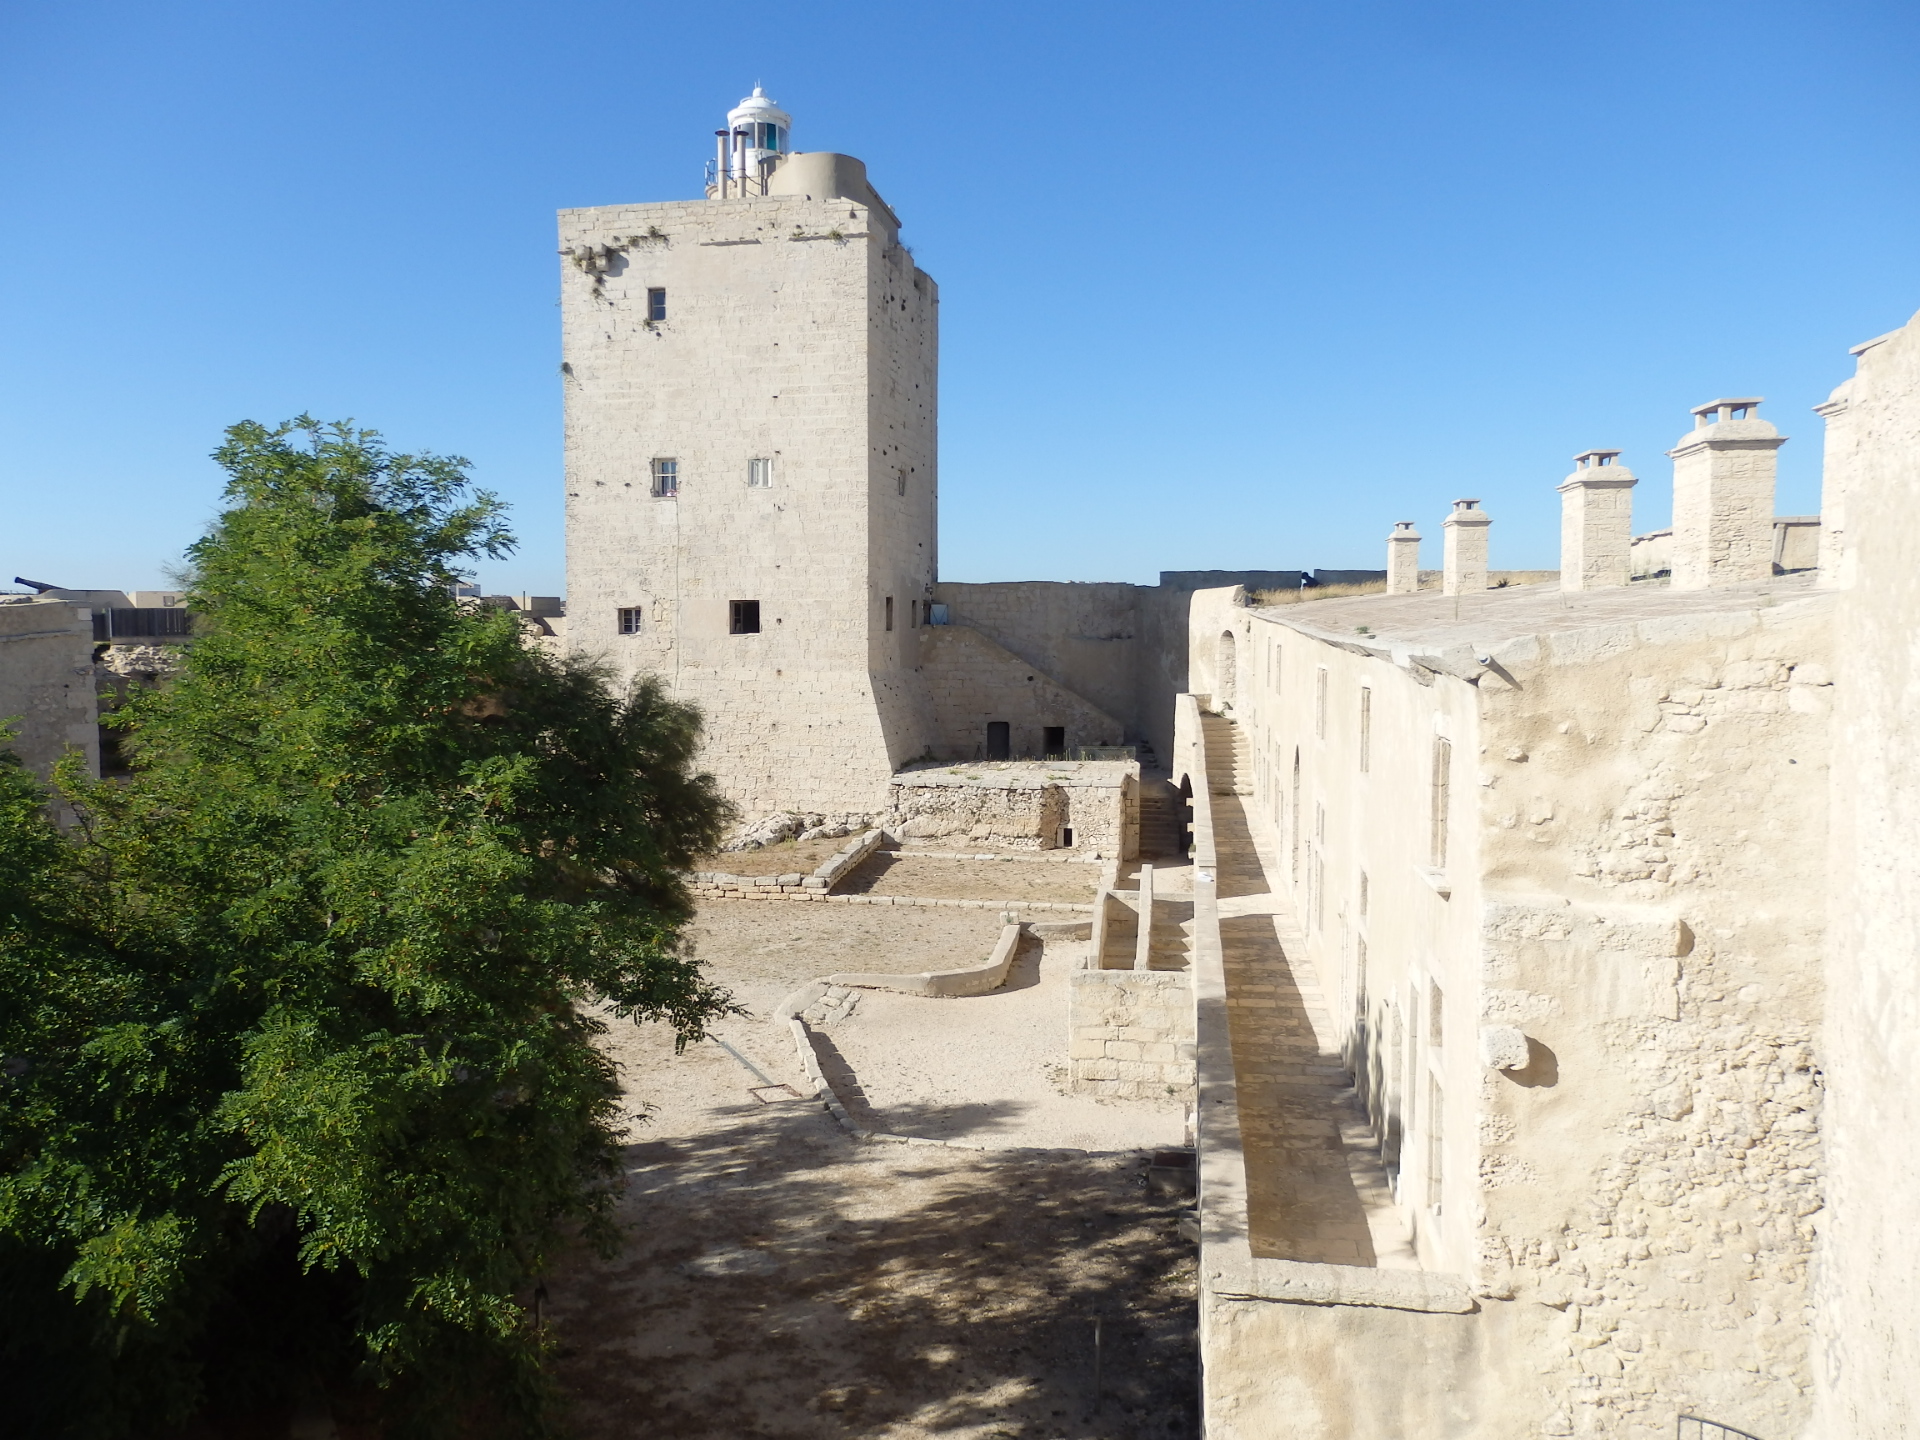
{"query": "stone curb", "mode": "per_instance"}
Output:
(717, 892)
(789, 1010)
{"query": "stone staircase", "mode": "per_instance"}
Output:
(1230, 758)
(1162, 817)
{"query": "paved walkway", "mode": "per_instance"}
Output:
(1315, 1188)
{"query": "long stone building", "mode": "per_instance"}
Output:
(1547, 1050)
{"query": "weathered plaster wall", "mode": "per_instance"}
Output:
(798, 330)
(1869, 1303)
(46, 682)
(1633, 878)
(1653, 802)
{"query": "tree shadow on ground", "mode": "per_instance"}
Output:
(782, 1281)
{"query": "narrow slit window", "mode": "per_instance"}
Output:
(1320, 703)
(1436, 1143)
(900, 482)
(631, 618)
(889, 612)
(743, 617)
(656, 305)
(760, 474)
(1366, 729)
(666, 478)
(1441, 796)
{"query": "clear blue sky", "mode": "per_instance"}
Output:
(1222, 285)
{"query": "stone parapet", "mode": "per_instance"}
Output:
(1130, 1033)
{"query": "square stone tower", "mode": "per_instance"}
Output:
(750, 464)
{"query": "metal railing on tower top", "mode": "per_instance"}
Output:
(723, 186)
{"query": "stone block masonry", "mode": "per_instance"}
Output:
(1130, 1034)
(1090, 806)
(47, 681)
(751, 486)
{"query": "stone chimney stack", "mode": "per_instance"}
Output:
(1466, 558)
(1403, 559)
(1723, 472)
(1596, 522)
(1836, 545)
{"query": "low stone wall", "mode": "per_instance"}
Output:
(832, 995)
(710, 884)
(1131, 1034)
(945, 984)
(1089, 806)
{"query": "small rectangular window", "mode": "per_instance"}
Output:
(760, 474)
(1441, 796)
(1366, 729)
(656, 304)
(630, 618)
(743, 617)
(889, 612)
(666, 478)
(1320, 703)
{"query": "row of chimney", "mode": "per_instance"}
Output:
(1723, 477)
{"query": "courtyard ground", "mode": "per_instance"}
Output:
(782, 1280)
(936, 877)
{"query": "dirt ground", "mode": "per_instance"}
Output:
(804, 856)
(893, 873)
(914, 1066)
(784, 1282)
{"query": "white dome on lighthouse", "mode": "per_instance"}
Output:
(755, 139)
(758, 109)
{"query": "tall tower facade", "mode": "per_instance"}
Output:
(751, 473)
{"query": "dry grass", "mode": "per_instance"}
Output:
(1295, 595)
(1429, 580)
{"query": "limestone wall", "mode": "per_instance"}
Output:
(971, 681)
(47, 683)
(1633, 879)
(1869, 1305)
(798, 331)
(1086, 637)
(1091, 806)
(1130, 1033)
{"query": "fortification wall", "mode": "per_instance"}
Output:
(1869, 1310)
(46, 682)
(972, 681)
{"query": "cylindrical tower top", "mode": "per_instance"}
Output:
(757, 135)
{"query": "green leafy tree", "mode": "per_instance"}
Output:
(300, 1085)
